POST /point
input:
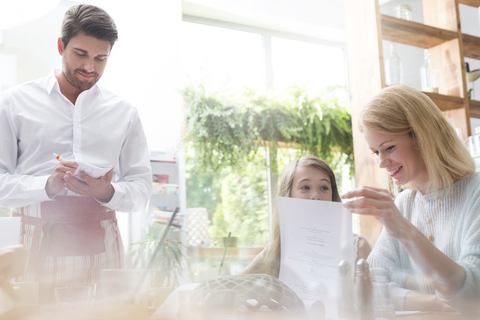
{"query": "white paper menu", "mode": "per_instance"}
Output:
(316, 236)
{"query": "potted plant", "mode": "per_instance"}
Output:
(226, 131)
(168, 268)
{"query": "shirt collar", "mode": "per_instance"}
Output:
(51, 83)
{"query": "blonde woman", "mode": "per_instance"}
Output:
(430, 243)
(306, 178)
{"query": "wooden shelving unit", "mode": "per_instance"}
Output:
(472, 3)
(471, 46)
(413, 33)
(475, 109)
(445, 102)
(441, 34)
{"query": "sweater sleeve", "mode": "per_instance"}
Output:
(467, 299)
(386, 260)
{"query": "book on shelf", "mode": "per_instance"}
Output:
(165, 189)
(160, 178)
(160, 218)
(163, 156)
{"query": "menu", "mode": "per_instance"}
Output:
(315, 237)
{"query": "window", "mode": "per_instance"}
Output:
(309, 65)
(221, 58)
(226, 58)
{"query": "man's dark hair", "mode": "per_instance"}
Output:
(91, 21)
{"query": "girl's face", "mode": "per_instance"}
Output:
(311, 183)
(398, 154)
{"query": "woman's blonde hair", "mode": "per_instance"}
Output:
(400, 109)
(284, 189)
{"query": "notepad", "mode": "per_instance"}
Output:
(91, 170)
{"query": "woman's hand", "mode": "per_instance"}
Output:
(444, 274)
(378, 203)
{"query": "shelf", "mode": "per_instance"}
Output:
(473, 3)
(474, 108)
(471, 46)
(444, 102)
(414, 33)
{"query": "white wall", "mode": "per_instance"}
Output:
(313, 18)
(35, 44)
(145, 63)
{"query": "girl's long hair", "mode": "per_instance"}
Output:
(273, 250)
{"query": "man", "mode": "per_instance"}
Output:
(69, 225)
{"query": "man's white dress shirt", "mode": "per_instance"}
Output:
(37, 120)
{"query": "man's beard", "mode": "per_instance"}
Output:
(77, 83)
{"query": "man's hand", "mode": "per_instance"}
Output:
(56, 182)
(100, 188)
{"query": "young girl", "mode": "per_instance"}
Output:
(305, 178)
(430, 243)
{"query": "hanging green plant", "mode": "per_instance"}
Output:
(227, 131)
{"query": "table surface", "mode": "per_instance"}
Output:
(437, 315)
(50, 313)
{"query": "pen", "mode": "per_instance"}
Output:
(59, 158)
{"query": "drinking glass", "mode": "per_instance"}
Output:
(74, 298)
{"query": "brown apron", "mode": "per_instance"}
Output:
(70, 240)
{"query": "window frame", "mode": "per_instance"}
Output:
(266, 36)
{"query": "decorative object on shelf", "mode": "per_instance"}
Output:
(428, 74)
(196, 227)
(471, 77)
(474, 147)
(393, 67)
(256, 292)
(403, 11)
(227, 131)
